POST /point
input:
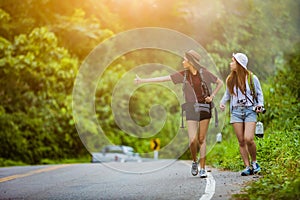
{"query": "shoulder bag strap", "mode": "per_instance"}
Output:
(206, 91)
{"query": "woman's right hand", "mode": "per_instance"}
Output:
(222, 107)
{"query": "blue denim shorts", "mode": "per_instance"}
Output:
(243, 114)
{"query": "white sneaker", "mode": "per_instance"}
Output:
(203, 173)
(194, 169)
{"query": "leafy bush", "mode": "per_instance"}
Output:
(281, 166)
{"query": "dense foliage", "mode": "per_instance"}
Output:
(37, 79)
(44, 42)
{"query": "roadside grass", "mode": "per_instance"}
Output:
(280, 161)
(46, 161)
(279, 157)
(67, 161)
(7, 162)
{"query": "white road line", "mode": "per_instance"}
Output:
(210, 187)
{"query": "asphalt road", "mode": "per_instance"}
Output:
(98, 181)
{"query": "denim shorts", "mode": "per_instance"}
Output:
(243, 114)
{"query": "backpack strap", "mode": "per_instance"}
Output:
(206, 93)
(252, 86)
(203, 84)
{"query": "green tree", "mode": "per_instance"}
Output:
(78, 25)
(37, 80)
(251, 27)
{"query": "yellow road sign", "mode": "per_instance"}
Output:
(155, 144)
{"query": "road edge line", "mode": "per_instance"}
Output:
(210, 187)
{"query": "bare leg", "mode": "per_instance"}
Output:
(193, 131)
(239, 131)
(249, 139)
(202, 141)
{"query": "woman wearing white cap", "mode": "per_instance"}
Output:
(197, 122)
(244, 109)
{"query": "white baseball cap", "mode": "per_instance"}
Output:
(241, 59)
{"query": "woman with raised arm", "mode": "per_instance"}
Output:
(244, 106)
(198, 97)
